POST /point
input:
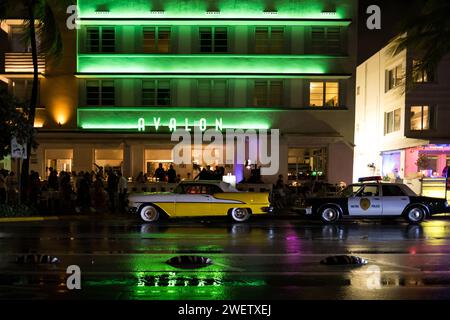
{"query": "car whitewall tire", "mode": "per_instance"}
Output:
(330, 215)
(240, 214)
(149, 213)
(415, 215)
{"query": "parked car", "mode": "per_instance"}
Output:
(200, 198)
(372, 198)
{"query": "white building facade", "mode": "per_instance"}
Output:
(401, 120)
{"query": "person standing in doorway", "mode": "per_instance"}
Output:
(171, 175)
(160, 173)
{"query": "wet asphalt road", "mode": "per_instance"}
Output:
(122, 258)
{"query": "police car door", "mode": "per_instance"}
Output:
(394, 200)
(367, 202)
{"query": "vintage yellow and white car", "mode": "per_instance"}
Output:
(198, 199)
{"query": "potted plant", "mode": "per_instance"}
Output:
(422, 163)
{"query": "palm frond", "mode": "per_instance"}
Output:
(426, 32)
(51, 42)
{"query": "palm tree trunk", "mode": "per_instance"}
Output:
(34, 94)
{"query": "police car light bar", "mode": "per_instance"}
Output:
(370, 179)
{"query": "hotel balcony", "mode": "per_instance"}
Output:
(212, 65)
(20, 64)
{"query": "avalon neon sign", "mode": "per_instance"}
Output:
(174, 124)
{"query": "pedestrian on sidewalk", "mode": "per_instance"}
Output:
(123, 189)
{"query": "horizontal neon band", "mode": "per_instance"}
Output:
(122, 118)
(151, 21)
(208, 64)
(237, 9)
(208, 76)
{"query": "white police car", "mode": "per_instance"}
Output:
(372, 198)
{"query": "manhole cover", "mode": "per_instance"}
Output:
(344, 261)
(189, 262)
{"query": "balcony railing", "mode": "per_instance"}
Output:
(22, 62)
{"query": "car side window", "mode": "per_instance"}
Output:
(369, 191)
(193, 189)
(392, 191)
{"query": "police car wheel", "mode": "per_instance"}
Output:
(240, 214)
(415, 215)
(330, 215)
(149, 213)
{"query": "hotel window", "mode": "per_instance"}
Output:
(420, 76)
(100, 92)
(156, 93)
(156, 39)
(101, 39)
(392, 121)
(268, 93)
(324, 94)
(269, 40)
(212, 93)
(326, 40)
(420, 118)
(214, 39)
(394, 77)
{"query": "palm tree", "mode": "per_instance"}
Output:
(425, 29)
(45, 12)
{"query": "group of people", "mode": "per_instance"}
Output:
(208, 174)
(98, 191)
(161, 175)
(171, 176)
(68, 191)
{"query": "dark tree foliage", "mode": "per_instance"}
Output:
(13, 123)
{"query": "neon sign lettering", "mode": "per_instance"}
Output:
(173, 124)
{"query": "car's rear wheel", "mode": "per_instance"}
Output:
(240, 214)
(415, 214)
(149, 213)
(330, 214)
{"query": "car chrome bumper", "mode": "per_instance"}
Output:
(269, 209)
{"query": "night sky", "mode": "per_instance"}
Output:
(371, 41)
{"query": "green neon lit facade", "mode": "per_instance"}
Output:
(128, 16)
(305, 9)
(197, 64)
(127, 119)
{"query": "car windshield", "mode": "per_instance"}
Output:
(197, 189)
(350, 191)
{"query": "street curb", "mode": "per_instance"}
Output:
(36, 219)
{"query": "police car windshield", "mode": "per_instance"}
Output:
(350, 191)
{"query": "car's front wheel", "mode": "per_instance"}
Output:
(149, 213)
(240, 214)
(330, 214)
(415, 215)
